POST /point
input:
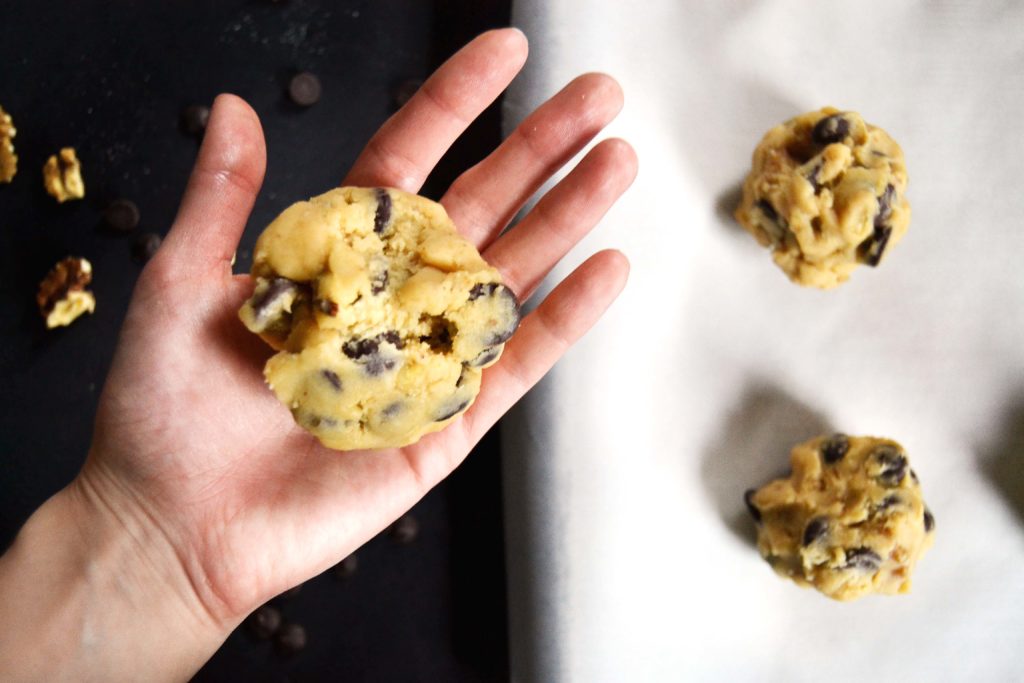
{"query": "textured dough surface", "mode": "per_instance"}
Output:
(382, 314)
(826, 193)
(850, 519)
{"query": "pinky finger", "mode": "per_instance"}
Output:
(568, 312)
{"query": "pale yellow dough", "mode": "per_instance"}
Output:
(850, 519)
(382, 314)
(826, 193)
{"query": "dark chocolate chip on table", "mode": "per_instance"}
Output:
(194, 119)
(405, 529)
(146, 246)
(815, 529)
(864, 559)
(291, 638)
(830, 129)
(264, 622)
(304, 89)
(346, 568)
(121, 215)
(835, 448)
(748, 500)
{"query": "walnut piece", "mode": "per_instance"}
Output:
(8, 159)
(62, 176)
(62, 296)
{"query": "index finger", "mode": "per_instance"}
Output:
(405, 149)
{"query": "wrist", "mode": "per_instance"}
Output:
(99, 593)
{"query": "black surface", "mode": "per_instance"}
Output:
(111, 79)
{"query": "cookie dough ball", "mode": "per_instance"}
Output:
(850, 519)
(382, 314)
(826, 193)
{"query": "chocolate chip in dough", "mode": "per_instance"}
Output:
(291, 638)
(893, 466)
(452, 410)
(382, 216)
(264, 622)
(405, 529)
(146, 246)
(864, 559)
(379, 282)
(304, 89)
(194, 119)
(332, 378)
(266, 302)
(929, 520)
(483, 358)
(121, 215)
(346, 568)
(830, 129)
(748, 500)
(835, 448)
(815, 529)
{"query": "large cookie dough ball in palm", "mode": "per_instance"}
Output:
(382, 314)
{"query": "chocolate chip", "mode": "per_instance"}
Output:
(146, 246)
(346, 568)
(359, 348)
(893, 463)
(392, 409)
(379, 282)
(870, 250)
(291, 638)
(888, 502)
(815, 529)
(929, 521)
(830, 129)
(404, 91)
(748, 500)
(452, 411)
(768, 210)
(327, 307)
(835, 448)
(885, 205)
(304, 89)
(913, 477)
(382, 216)
(863, 559)
(484, 357)
(813, 177)
(194, 119)
(377, 365)
(332, 377)
(121, 215)
(392, 337)
(405, 529)
(266, 300)
(264, 622)
(483, 289)
(439, 338)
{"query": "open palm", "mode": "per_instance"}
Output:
(188, 437)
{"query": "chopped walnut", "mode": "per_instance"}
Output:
(62, 296)
(8, 159)
(62, 176)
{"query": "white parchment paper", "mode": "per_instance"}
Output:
(630, 558)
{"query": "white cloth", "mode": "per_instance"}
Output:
(629, 555)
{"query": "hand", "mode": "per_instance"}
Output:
(193, 449)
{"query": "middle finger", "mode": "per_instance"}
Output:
(484, 199)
